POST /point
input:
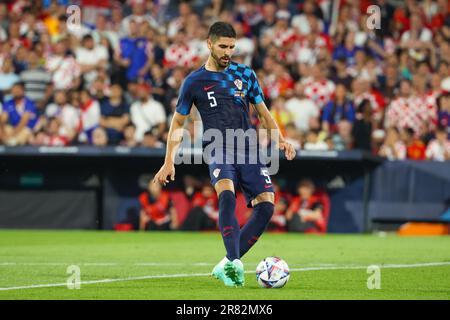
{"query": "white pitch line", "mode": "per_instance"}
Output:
(188, 275)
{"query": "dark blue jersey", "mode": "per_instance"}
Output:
(223, 98)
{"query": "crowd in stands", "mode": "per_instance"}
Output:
(331, 79)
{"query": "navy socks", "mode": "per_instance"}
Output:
(255, 226)
(228, 224)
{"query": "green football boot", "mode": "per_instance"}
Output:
(219, 273)
(235, 271)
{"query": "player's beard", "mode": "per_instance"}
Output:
(219, 61)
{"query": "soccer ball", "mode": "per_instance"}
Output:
(272, 272)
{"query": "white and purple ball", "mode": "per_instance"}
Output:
(272, 272)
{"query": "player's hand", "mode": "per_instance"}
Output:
(289, 150)
(166, 171)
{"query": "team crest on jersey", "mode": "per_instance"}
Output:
(238, 84)
(216, 173)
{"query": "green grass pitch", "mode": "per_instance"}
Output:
(33, 265)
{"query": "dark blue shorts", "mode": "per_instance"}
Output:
(253, 179)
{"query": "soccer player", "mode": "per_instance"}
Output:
(222, 91)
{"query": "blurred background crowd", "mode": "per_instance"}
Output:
(332, 81)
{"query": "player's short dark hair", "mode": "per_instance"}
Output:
(221, 29)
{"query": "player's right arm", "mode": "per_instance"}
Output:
(173, 142)
(184, 105)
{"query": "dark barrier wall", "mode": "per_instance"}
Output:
(35, 209)
(92, 188)
(409, 190)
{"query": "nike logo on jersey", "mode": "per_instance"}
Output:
(267, 186)
(209, 87)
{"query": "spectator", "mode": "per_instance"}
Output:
(362, 129)
(306, 211)
(147, 113)
(342, 138)
(138, 16)
(408, 111)
(340, 73)
(90, 58)
(280, 114)
(89, 116)
(50, 136)
(181, 53)
(64, 68)
(340, 108)
(317, 87)
(304, 111)
(99, 137)
(444, 112)
(204, 214)
(7, 77)
(314, 143)
(393, 148)
(439, 148)
(415, 147)
(67, 115)
(19, 117)
(129, 134)
(293, 136)
(115, 114)
(157, 211)
(150, 140)
(132, 55)
(37, 81)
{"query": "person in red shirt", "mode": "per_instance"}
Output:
(157, 212)
(306, 212)
(415, 147)
(205, 210)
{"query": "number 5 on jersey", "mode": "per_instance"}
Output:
(212, 102)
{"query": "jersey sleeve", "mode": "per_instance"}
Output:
(255, 93)
(185, 99)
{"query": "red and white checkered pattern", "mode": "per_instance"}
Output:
(64, 71)
(430, 101)
(180, 55)
(320, 91)
(411, 112)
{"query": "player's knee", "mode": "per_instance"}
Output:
(264, 197)
(224, 185)
(264, 210)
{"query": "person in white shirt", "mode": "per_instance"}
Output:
(313, 142)
(304, 110)
(64, 68)
(417, 35)
(91, 57)
(147, 113)
(68, 115)
(393, 148)
(439, 148)
(89, 116)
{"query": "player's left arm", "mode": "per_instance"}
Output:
(270, 124)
